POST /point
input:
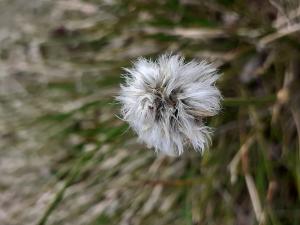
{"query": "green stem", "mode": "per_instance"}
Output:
(76, 170)
(70, 179)
(232, 102)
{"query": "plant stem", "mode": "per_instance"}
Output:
(75, 171)
(232, 102)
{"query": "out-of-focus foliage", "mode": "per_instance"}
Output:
(66, 158)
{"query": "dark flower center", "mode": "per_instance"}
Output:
(161, 101)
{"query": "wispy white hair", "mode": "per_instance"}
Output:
(165, 102)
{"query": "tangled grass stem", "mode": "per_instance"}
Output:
(76, 170)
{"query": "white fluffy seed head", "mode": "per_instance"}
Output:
(165, 101)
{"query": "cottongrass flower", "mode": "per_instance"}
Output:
(165, 101)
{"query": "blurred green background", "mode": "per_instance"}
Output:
(66, 158)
